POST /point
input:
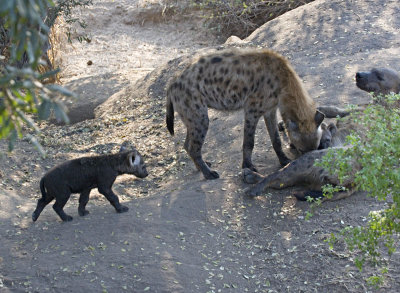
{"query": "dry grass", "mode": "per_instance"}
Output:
(241, 18)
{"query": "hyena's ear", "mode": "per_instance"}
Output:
(134, 159)
(324, 126)
(332, 128)
(122, 149)
(379, 75)
(319, 117)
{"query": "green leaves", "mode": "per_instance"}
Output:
(22, 92)
(373, 159)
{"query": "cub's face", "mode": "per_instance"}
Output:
(136, 165)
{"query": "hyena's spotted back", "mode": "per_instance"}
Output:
(227, 81)
(256, 80)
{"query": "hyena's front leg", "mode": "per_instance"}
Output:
(277, 180)
(83, 200)
(333, 111)
(272, 126)
(105, 189)
(250, 124)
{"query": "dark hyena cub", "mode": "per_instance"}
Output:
(82, 175)
(260, 82)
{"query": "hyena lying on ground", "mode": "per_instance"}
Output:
(260, 82)
(82, 175)
(303, 172)
(379, 81)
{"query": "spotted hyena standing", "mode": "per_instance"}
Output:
(260, 82)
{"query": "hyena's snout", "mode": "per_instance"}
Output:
(142, 173)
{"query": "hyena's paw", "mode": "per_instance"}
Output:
(67, 218)
(251, 177)
(83, 213)
(284, 161)
(122, 209)
(211, 175)
(253, 191)
(249, 166)
(35, 216)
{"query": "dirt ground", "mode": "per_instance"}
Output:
(183, 233)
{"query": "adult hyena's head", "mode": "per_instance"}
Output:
(303, 137)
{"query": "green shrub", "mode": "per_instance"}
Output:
(376, 152)
(22, 91)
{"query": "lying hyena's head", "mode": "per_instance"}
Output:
(379, 81)
(306, 139)
(132, 162)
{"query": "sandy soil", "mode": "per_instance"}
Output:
(183, 233)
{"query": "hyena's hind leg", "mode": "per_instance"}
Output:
(58, 206)
(197, 127)
(186, 147)
(42, 203)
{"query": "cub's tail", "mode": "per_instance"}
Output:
(42, 189)
(41, 203)
(170, 115)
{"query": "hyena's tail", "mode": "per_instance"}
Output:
(42, 189)
(170, 115)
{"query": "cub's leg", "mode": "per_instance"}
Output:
(61, 200)
(272, 127)
(105, 189)
(42, 202)
(83, 200)
(333, 111)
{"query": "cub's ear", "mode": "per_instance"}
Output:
(332, 128)
(324, 126)
(136, 162)
(292, 126)
(379, 74)
(319, 117)
(122, 149)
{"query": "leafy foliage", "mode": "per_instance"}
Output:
(373, 160)
(65, 8)
(22, 88)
